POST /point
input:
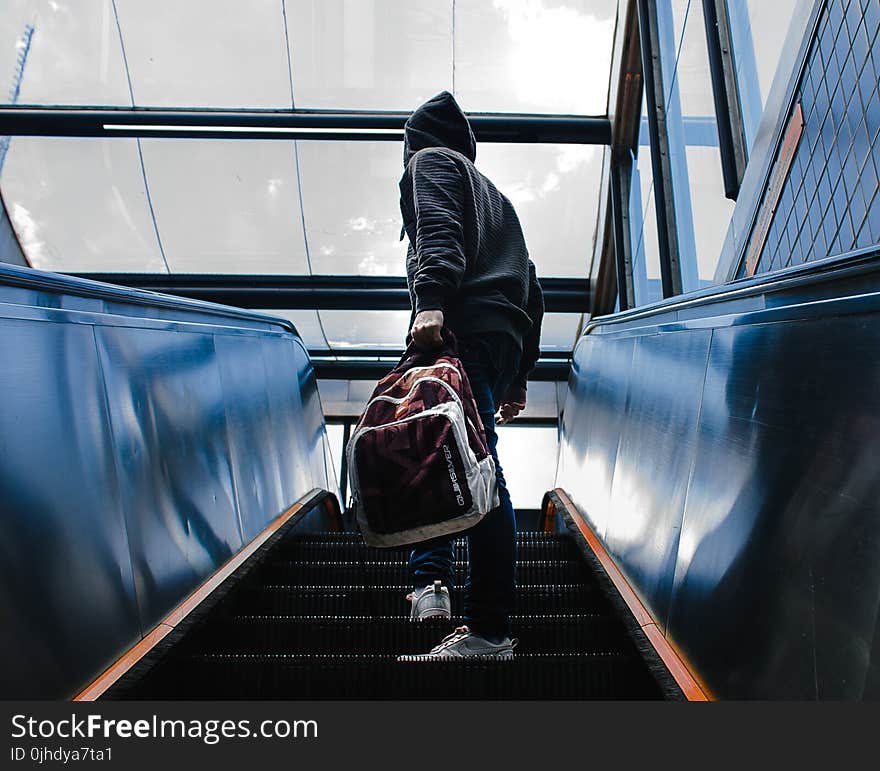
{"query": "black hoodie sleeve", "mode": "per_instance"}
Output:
(532, 340)
(438, 207)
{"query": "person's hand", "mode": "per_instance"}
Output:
(426, 330)
(512, 403)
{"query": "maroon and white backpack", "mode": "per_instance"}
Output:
(418, 461)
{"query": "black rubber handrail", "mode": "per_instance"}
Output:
(831, 268)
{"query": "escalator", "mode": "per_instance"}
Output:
(320, 615)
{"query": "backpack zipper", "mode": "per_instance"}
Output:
(401, 399)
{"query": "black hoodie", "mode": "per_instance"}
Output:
(467, 255)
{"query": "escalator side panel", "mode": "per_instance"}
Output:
(770, 581)
(63, 538)
(312, 420)
(778, 583)
(654, 459)
(287, 420)
(171, 434)
(591, 424)
(258, 487)
(122, 464)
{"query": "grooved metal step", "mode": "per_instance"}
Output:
(324, 616)
(522, 536)
(571, 633)
(369, 573)
(321, 548)
(388, 600)
(613, 676)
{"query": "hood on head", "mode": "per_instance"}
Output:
(439, 122)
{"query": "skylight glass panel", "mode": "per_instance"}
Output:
(369, 54)
(233, 206)
(80, 205)
(227, 206)
(350, 330)
(555, 191)
(352, 212)
(541, 56)
(351, 207)
(206, 53)
(61, 52)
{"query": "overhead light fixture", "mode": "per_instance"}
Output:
(138, 128)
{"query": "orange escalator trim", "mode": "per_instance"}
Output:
(674, 661)
(133, 655)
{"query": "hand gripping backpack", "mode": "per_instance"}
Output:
(418, 460)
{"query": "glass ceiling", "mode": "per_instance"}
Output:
(544, 56)
(239, 206)
(292, 206)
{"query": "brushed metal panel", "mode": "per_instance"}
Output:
(654, 460)
(119, 449)
(252, 446)
(317, 446)
(287, 423)
(606, 365)
(67, 596)
(777, 585)
(169, 427)
(574, 428)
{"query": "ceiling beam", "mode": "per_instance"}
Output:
(351, 125)
(561, 295)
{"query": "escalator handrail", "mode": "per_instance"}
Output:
(828, 269)
(651, 639)
(56, 283)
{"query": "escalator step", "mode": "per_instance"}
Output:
(336, 572)
(324, 616)
(522, 536)
(338, 550)
(370, 676)
(285, 599)
(571, 633)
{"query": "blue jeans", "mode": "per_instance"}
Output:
(491, 363)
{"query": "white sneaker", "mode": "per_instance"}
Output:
(431, 601)
(463, 643)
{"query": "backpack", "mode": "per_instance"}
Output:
(418, 460)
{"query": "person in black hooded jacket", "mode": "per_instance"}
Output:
(468, 269)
